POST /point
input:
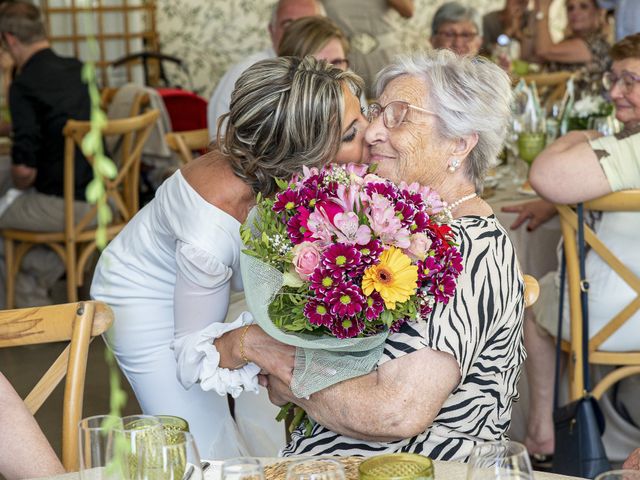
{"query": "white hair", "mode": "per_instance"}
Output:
(470, 95)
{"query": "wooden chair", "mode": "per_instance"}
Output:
(76, 242)
(628, 362)
(76, 323)
(551, 86)
(531, 290)
(187, 142)
(140, 102)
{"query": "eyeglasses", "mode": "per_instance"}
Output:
(341, 63)
(628, 79)
(393, 113)
(450, 35)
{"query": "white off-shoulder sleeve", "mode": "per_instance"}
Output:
(201, 300)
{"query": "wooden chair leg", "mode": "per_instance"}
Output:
(72, 280)
(10, 275)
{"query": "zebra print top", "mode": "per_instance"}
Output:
(481, 327)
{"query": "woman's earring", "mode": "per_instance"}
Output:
(453, 166)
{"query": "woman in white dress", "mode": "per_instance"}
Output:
(169, 273)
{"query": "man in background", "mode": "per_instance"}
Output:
(46, 92)
(284, 12)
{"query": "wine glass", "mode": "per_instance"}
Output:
(175, 457)
(605, 125)
(619, 475)
(499, 461)
(316, 469)
(530, 144)
(242, 468)
(139, 433)
(95, 436)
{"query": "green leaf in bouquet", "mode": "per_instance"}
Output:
(282, 184)
(387, 318)
(292, 279)
(265, 238)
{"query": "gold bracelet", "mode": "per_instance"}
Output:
(242, 354)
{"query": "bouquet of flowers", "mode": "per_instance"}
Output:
(340, 258)
(588, 107)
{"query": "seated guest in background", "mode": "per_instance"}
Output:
(24, 450)
(627, 16)
(317, 36)
(168, 274)
(46, 92)
(581, 166)
(511, 21)
(374, 39)
(284, 12)
(447, 382)
(457, 28)
(584, 50)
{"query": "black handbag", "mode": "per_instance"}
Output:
(579, 425)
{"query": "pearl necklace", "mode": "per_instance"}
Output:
(448, 209)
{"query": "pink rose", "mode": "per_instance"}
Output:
(306, 257)
(419, 246)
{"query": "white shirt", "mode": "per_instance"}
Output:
(219, 102)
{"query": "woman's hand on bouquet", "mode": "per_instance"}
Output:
(275, 358)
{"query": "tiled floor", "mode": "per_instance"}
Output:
(23, 366)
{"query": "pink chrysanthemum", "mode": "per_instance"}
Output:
(287, 202)
(428, 268)
(374, 306)
(347, 327)
(443, 288)
(297, 227)
(340, 258)
(321, 281)
(318, 313)
(345, 299)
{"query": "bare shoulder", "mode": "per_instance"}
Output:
(213, 179)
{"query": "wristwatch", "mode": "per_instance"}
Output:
(539, 15)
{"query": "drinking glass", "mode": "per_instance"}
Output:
(530, 144)
(176, 457)
(140, 433)
(95, 436)
(499, 461)
(605, 125)
(242, 468)
(619, 475)
(316, 469)
(172, 425)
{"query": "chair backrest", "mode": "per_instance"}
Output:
(626, 201)
(531, 290)
(76, 323)
(185, 143)
(551, 85)
(140, 102)
(122, 191)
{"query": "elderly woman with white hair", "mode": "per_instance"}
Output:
(447, 382)
(457, 28)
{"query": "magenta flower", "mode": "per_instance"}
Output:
(329, 208)
(395, 326)
(339, 258)
(318, 313)
(345, 300)
(298, 228)
(374, 306)
(347, 327)
(420, 222)
(370, 253)
(385, 189)
(287, 202)
(443, 288)
(428, 268)
(321, 281)
(405, 212)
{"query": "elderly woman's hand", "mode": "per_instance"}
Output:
(535, 212)
(279, 392)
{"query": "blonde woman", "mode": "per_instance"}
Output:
(169, 273)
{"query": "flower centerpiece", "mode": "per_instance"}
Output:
(588, 107)
(339, 259)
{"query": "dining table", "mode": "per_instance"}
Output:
(443, 470)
